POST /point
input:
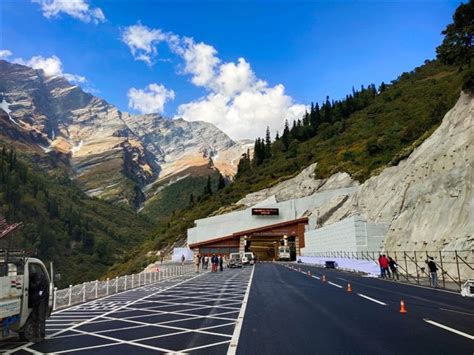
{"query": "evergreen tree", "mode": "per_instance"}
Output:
(285, 137)
(208, 187)
(221, 183)
(268, 144)
(457, 47)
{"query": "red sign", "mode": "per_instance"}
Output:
(265, 212)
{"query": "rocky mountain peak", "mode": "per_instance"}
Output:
(107, 149)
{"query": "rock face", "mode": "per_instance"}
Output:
(427, 200)
(304, 184)
(113, 154)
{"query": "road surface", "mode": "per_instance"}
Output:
(271, 308)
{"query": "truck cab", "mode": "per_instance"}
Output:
(19, 294)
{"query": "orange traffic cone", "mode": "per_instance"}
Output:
(309, 273)
(402, 307)
(324, 278)
(349, 288)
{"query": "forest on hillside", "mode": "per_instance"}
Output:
(370, 129)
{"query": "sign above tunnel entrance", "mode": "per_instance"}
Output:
(265, 212)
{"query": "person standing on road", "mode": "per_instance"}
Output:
(197, 261)
(221, 263)
(38, 302)
(384, 265)
(393, 267)
(381, 268)
(182, 259)
(206, 262)
(214, 262)
(203, 262)
(433, 271)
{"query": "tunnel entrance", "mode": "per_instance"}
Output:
(269, 248)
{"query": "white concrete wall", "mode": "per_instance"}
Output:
(351, 234)
(226, 224)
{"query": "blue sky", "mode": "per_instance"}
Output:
(312, 48)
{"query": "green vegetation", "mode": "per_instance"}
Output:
(457, 47)
(82, 236)
(183, 193)
(368, 130)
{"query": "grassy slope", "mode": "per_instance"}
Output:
(386, 131)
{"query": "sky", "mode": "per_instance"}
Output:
(241, 65)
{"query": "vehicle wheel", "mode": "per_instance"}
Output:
(28, 331)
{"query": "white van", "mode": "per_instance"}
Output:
(248, 258)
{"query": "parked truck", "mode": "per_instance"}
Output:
(26, 296)
(284, 253)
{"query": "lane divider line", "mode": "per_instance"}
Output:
(240, 319)
(371, 299)
(449, 329)
(333, 284)
(315, 277)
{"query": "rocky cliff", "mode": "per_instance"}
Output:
(113, 155)
(427, 199)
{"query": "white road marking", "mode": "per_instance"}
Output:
(316, 277)
(240, 320)
(131, 303)
(452, 310)
(371, 299)
(458, 332)
(333, 284)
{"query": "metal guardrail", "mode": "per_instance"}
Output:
(92, 290)
(454, 267)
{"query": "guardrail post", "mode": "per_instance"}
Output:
(96, 288)
(116, 284)
(416, 266)
(442, 269)
(457, 266)
(107, 286)
(84, 292)
(54, 298)
(70, 295)
(125, 282)
(133, 280)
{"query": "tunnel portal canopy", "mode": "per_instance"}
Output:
(264, 241)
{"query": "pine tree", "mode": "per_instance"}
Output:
(221, 183)
(268, 144)
(285, 137)
(457, 47)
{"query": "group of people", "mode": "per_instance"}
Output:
(388, 267)
(217, 262)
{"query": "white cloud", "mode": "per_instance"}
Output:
(53, 66)
(237, 101)
(200, 60)
(78, 9)
(5, 53)
(152, 99)
(143, 42)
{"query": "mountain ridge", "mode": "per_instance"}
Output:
(113, 155)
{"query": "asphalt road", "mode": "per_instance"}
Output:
(193, 313)
(272, 309)
(289, 312)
